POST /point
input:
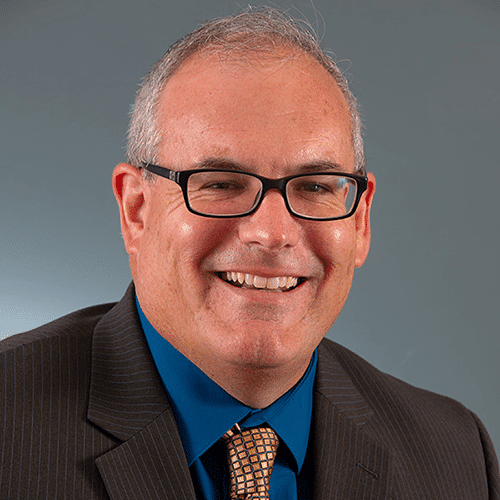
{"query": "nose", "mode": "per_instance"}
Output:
(271, 227)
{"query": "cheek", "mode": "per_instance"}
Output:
(187, 241)
(170, 264)
(334, 244)
(337, 236)
(187, 230)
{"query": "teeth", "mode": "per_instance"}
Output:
(259, 282)
(273, 283)
(251, 280)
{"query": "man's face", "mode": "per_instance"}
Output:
(274, 118)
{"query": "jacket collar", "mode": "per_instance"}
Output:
(126, 392)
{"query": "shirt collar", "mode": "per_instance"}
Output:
(204, 411)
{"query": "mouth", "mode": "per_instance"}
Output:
(254, 282)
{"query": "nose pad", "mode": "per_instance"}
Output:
(271, 226)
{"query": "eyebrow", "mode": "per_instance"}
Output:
(320, 166)
(222, 163)
(228, 164)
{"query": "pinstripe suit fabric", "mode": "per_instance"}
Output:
(84, 415)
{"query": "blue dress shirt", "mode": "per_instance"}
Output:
(204, 412)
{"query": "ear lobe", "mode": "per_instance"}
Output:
(362, 219)
(129, 189)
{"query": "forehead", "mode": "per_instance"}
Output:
(271, 107)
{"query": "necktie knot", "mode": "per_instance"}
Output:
(251, 455)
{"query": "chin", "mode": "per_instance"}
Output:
(265, 347)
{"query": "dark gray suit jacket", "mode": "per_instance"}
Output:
(83, 414)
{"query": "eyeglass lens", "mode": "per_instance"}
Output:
(234, 193)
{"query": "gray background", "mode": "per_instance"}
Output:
(425, 305)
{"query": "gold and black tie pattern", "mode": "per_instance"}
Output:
(251, 455)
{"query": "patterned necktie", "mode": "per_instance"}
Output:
(251, 456)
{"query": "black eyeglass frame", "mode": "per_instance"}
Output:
(181, 178)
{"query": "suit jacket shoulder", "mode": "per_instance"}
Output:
(44, 396)
(84, 414)
(79, 324)
(416, 443)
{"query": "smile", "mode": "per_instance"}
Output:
(252, 281)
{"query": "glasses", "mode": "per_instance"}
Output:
(227, 193)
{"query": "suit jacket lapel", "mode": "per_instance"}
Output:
(127, 400)
(151, 464)
(348, 463)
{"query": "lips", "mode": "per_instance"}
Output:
(252, 281)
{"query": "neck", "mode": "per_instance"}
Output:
(256, 387)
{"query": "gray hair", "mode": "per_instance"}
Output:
(254, 30)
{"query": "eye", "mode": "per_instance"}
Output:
(219, 182)
(222, 186)
(314, 187)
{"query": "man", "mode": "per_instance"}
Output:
(244, 210)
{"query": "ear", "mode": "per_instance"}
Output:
(362, 219)
(130, 190)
